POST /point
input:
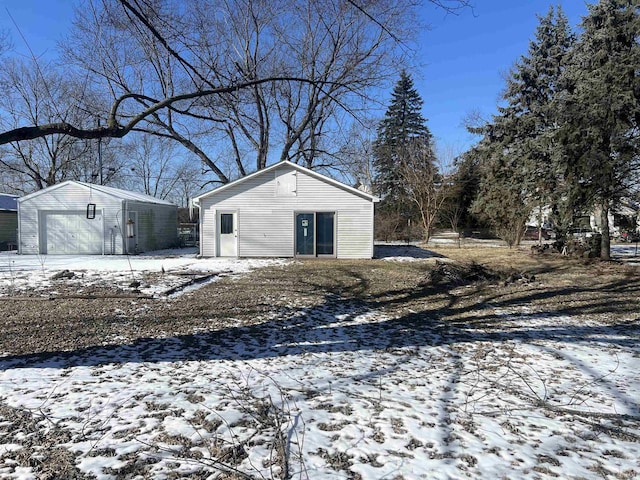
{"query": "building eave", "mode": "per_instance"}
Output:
(319, 176)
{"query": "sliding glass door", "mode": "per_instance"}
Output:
(324, 233)
(315, 234)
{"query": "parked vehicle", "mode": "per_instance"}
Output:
(631, 237)
(531, 233)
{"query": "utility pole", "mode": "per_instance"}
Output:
(100, 160)
(100, 156)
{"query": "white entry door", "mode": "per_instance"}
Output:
(228, 234)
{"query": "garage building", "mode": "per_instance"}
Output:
(82, 218)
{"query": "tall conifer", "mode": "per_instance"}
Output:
(402, 127)
(518, 146)
(600, 130)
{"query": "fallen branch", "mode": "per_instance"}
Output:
(193, 281)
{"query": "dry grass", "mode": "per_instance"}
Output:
(603, 291)
(609, 291)
(412, 297)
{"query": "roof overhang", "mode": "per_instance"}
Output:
(295, 166)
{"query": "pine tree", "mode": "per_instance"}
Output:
(402, 127)
(601, 111)
(532, 92)
(518, 146)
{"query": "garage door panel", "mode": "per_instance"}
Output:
(73, 233)
(54, 233)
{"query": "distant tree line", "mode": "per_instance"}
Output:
(566, 137)
(166, 95)
(169, 98)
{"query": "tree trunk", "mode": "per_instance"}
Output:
(605, 245)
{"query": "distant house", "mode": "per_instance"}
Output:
(82, 218)
(624, 216)
(286, 210)
(8, 221)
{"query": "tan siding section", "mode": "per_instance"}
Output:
(8, 228)
(266, 220)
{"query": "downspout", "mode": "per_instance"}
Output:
(373, 228)
(196, 203)
(374, 200)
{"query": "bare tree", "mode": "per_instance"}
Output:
(155, 168)
(425, 186)
(354, 159)
(187, 186)
(232, 79)
(35, 94)
(4, 41)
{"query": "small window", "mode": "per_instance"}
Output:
(226, 223)
(286, 183)
(91, 211)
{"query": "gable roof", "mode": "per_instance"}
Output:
(8, 203)
(297, 167)
(116, 193)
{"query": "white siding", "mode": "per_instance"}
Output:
(207, 231)
(110, 212)
(67, 198)
(157, 225)
(266, 216)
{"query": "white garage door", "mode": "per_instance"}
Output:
(72, 233)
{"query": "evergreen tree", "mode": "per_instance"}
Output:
(502, 202)
(601, 110)
(402, 128)
(532, 92)
(518, 146)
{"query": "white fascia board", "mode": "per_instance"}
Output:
(317, 175)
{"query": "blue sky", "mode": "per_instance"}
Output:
(462, 57)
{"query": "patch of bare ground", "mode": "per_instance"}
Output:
(587, 289)
(466, 287)
(486, 279)
(39, 440)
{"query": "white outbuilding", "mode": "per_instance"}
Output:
(286, 210)
(83, 218)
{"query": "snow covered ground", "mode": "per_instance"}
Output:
(629, 253)
(20, 273)
(334, 391)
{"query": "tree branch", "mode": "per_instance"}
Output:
(114, 130)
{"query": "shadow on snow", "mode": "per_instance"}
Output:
(338, 325)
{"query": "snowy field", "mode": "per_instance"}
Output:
(335, 391)
(170, 268)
